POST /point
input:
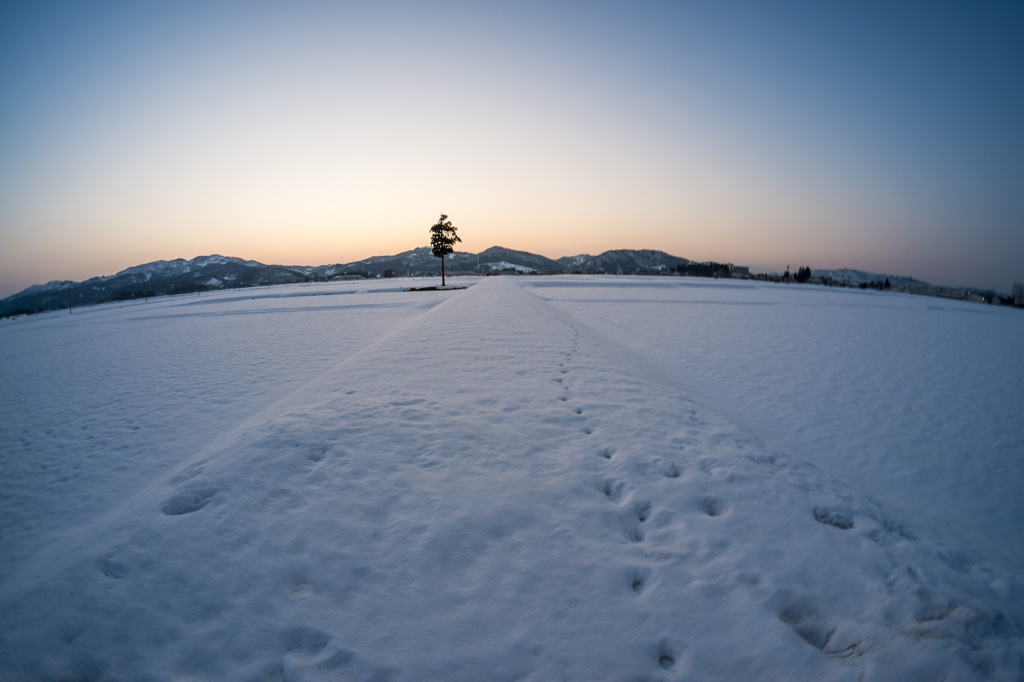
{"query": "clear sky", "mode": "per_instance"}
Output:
(885, 136)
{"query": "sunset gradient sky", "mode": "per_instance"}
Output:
(875, 135)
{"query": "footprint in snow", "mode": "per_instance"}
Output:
(632, 524)
(635, 534)
(668, 653)
(188, 501)
(709, 465)
(837, 518)
(612, 489)
(767, 460)
(114, 569)
(804, 617)
(714, 506)
(638, 579)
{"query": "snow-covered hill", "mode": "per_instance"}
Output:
(575, 478)
(212, 273)
(851, 277)
(152, 279)
(623, 261)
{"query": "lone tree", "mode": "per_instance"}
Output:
(442, 240)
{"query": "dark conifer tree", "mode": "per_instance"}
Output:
(442, 240)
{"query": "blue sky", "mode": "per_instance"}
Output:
(880, 136)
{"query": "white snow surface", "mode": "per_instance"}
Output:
(544, 478)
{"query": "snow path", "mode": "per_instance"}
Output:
(108, 397)
(914, 399)
(494, 491)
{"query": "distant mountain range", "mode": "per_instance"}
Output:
(853, 278)
(219, 272)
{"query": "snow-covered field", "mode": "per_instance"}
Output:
(568, 478)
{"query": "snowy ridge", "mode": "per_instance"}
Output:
(504, 265)
(180, 266)
(627, 261)
(851, 277)
(154, 279)
(214, 272)
(55, 285)
(491, 488)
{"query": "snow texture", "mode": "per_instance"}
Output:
(568, 478)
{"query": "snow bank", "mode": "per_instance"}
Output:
(463, 485)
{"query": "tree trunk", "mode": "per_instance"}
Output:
(442, 270)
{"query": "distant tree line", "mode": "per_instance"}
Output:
(709, 269)
(134, 295)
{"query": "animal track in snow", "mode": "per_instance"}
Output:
(607, 453)
(764, 460)
(612, 489)
(710, 466)
(114, 569)
(672, 471)
(801, 614)
(714, 506)
(578, 410)
(632, 524)
(317, 454)
(635, 534)
(837, 518)
(668, 654)
(638, 580)
(188, 501)
(588, 430)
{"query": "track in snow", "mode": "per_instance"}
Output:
(497, 491)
